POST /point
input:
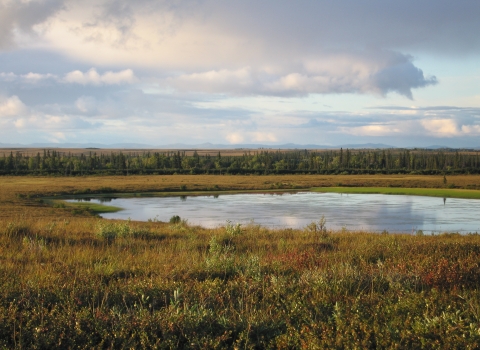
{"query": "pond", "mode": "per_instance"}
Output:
(372, 212)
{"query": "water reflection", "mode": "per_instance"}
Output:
(96, 199)
(351, 212)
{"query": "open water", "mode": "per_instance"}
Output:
(372, 212)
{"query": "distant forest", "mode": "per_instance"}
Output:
(383, 161)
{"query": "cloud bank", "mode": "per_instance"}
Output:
(378, 73)
(273, 48)
(209, 70)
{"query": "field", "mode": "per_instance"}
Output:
(69, 279)
(430, 192)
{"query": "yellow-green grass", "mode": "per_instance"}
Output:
(93, 283)
(430, 192)
(94, 208)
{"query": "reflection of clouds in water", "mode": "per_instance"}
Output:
(355, 211)
(292, 221)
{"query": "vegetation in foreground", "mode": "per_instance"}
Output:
(72, 280)
(88, 282)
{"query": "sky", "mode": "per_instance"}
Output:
(403, 73)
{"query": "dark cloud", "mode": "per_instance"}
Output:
(445, 26)
(401, 78)
(22, 16)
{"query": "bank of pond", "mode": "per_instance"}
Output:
(419, 211)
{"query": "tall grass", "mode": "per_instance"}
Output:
(91, 283)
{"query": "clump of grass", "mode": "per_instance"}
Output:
(17, 229)
(109, 231)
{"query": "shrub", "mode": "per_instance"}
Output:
(110, 231)
(233, 230)
(175, 219)
(318, 228)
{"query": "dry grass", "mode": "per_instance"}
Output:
(17, 194)
(85, 282)
(92, 283)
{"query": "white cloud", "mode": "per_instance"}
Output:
(260, 136)
(332, 73)
(11, 106)
(8, 76)
(216, 81)
(36, 77)
(234, 137)
(441, 127)
(86, 104)
(251, 136)
(372, 130)
(471, 129)
(92, 77)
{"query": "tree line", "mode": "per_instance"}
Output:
(379, 161)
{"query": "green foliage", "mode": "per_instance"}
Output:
(233, 230)
(175, 219)
(112, 230)
(418, 161)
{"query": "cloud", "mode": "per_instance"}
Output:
(29, 78)
(275, 49)
(235, 137)
(36, 77)
(250, 136)
(92, 77)
(333, 73)
(11, 106)
(86, 104)
(441, 127)
(471, 129)
(20, 17)
(260, 136)
(401, 77)
(8, 76)
(238, 81)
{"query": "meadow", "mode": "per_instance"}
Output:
(69, 279)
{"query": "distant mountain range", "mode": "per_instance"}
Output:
(209, 146)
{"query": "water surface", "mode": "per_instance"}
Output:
(373, 212)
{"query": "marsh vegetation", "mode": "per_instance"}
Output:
(72, 280)
(87, 282)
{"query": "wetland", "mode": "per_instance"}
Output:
(347, 211)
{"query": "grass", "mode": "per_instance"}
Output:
(92, 283)
(430, 192)
(91, 207)
(77, 281)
